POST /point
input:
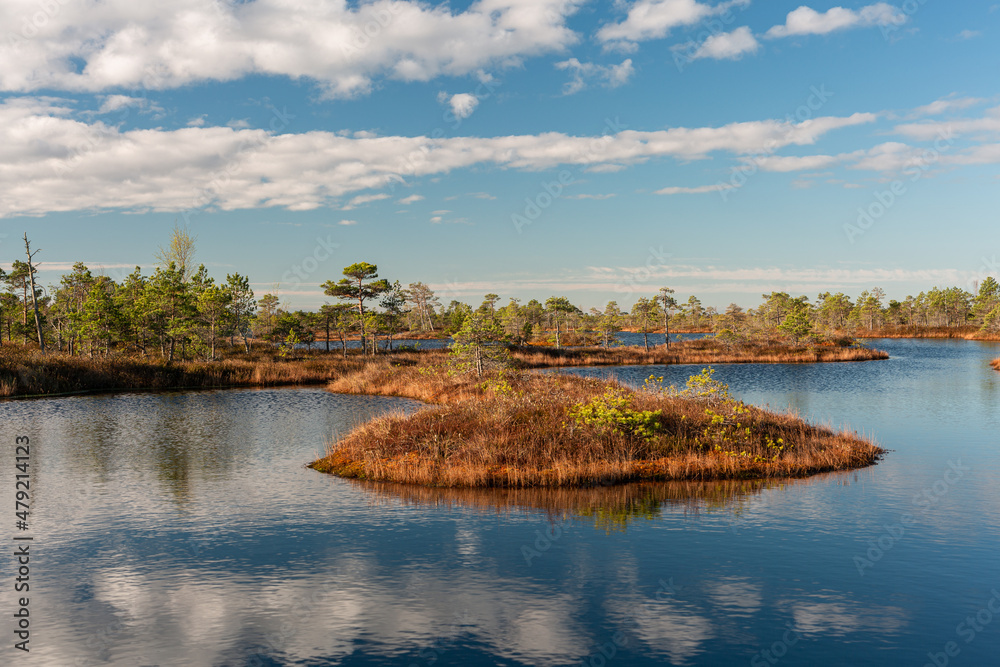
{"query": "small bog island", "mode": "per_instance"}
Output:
(511, 428)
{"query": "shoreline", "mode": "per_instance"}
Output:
(26, 373)
(525, 430)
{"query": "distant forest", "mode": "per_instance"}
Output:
(179, 311)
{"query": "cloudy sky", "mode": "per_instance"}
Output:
(532, 148)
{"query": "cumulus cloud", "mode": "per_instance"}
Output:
(727, 46)
(50, 161)
(654, 19)
(463, 104)
(946, 104)
(112, 103)
(343, 46)
(807, 21)
(611, 76)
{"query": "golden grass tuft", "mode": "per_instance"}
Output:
(964, 332)
(996, 364)
(704, 351)
(516, 432)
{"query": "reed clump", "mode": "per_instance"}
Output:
(518, 430)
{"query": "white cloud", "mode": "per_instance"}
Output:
(611, 76)
(596, 197)
(700, 190)
(947, 104)
(728, 45)
(361, 200)
(112, 103)
(463, 104)
(807, 21)
(52, 162)
(410, 200)
(343, 46)
(713, 279)
(347, 223)
(969, 34)
(653, 19)
(784, 164)
(927, 131)
(436, 219)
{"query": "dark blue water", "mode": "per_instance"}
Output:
(183, 529)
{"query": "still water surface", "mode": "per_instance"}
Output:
(183, 529)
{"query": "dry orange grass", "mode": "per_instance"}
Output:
(956, 332)
(707, 351)
(519, 433)
(26, 372)
(996, 364)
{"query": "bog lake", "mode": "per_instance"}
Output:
(182, 528)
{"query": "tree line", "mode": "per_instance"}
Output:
(180, 312)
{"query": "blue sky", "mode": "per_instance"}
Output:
(531, 148)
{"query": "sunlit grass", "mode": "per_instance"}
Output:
(25, 371)
(519, 430)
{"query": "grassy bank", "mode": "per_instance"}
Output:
(705, 352)
(526, 430)
(958, 333)
(25, 371)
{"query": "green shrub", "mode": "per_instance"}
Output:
(611, 412)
